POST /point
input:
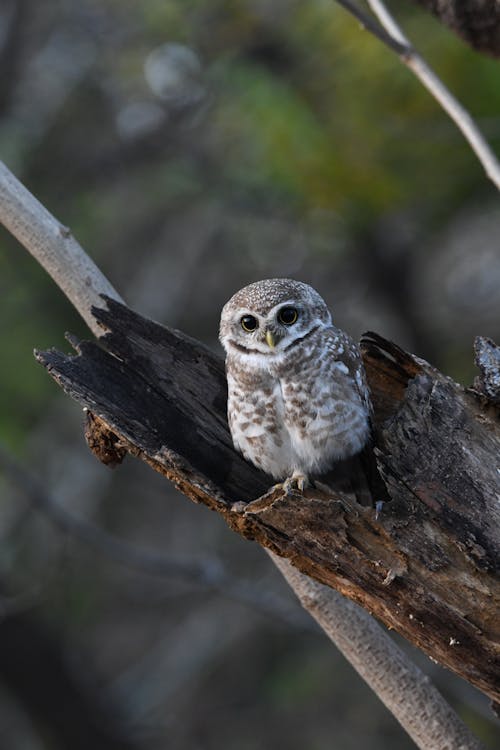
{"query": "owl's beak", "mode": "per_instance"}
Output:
(271, 342)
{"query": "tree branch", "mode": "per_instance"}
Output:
(162, 396)
(476, 21)
(409, 696)
(149, 411)
(378, 31)
(53, 246)
(390, 34)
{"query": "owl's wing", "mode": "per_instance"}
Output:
(343, 349)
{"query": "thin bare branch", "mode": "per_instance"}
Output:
(390, 34)
(408, 694)
(54, 247)
(368, 23)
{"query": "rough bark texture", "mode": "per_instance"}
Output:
(428, 719)
(487, 360)
(476, 21)
(427, 567)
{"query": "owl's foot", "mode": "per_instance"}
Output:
(378, 508)
(297, 481)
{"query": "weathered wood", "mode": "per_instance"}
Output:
(427, 567)
(476, 21)
(487, 360)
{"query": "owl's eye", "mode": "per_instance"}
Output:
(288, 316)
(249, 323)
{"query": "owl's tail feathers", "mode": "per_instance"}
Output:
(359, 476)
(372, 477)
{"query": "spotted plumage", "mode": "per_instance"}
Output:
(297, 395)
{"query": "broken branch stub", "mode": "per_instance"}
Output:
(487, 359)
(427, 567)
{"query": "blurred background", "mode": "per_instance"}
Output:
(194, 146)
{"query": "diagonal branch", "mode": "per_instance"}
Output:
(53, 246)
(378, 31)
(426, 568)
(188, 441)
(390, 34)
(428, 718)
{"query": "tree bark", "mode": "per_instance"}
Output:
(427, 566)
(476, 21)
(430, 721)
(77, 275)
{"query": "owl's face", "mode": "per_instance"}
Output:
(269, 316)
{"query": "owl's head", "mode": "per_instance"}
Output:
(269, 316)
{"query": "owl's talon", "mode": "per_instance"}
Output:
(295, 482)
(302, 482)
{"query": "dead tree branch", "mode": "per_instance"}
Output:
(390, 34)
(434, 722)
(476, 21)
(161, 396)
(427, 568)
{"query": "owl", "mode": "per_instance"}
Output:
(297, 395)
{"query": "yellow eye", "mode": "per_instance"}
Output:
(288, 316)
(249, 323)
